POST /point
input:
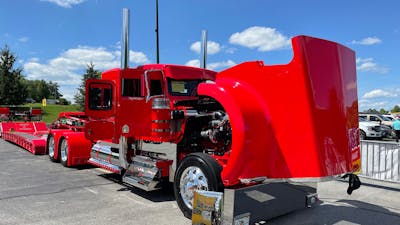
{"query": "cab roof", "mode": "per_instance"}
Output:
(176, 72)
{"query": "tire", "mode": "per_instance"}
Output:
(363, 136)
(208, 177)
(50, 148)
(63, 152)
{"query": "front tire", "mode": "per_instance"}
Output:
(197, 171)
(363, 135)
(63, 152)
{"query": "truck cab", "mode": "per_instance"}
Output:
(140, 102)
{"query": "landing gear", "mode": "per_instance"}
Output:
(197, 171)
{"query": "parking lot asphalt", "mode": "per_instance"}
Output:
(34, 190)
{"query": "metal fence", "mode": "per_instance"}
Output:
(380, 160)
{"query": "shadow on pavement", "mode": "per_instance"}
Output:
(340, 212)
(164, 194)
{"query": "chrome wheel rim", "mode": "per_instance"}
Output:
(192, 179)
(64, 150)
(51, 146)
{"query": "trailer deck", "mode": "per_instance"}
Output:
(29, 135)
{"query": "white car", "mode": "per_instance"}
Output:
(391, 117)
(376, 118)
(369, 129)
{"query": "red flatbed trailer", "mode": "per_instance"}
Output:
(29, 135)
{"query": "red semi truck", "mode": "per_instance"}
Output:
(204, 130)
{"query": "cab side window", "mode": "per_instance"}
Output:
(131, 88)
(100, 97)
(155, 87)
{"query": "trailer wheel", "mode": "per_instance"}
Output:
(197, 171)
(63, 152)
(50, 148)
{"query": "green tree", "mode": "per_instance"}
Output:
(53, 88)
(396, 109)
(37, 89)
(90, 73)
(12, 88)
(372, 111)
(383, 111)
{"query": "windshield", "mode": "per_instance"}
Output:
(183, 87)
(385, 118)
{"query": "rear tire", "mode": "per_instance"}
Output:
(50, 148)
(63, 152)
(197, 171)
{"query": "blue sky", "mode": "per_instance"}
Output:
(55, 39)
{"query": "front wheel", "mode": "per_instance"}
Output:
(197, 171)
(63, 152)
(363, 135)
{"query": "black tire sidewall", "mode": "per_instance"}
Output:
(363, 135)
(210, 168)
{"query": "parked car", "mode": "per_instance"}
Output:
(369, 129)
(376, 118)
(389, 116)
(386, 123)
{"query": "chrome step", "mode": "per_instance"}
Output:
(140, 182)
(146, 173)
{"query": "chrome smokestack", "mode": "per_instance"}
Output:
(204, 49)
(125, 39)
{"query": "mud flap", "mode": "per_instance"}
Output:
(354, 183)
(123, 147)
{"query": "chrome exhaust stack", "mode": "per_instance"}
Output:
(204, 49)
(125, 39)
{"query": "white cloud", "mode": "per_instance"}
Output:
(193, 62)
(212, 47)
(65, 3)
(367, 41)
(211, 66)
(220, 65)
(23, 39)
(379, 98)
(262, 38)
(378, 93)
(368, 65)
(67, 69)
(230, 50)
(367, 104)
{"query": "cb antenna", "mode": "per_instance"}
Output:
(157, 36)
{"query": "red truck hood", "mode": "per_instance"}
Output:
(298, 120)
